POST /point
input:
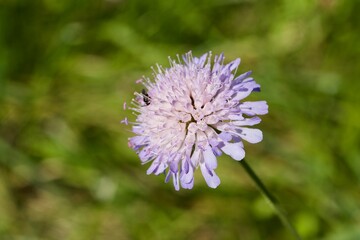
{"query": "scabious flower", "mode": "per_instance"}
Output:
(190, 114)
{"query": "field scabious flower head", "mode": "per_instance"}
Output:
(190, 114)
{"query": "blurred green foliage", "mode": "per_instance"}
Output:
(67, 66)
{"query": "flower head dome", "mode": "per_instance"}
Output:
(192, 113)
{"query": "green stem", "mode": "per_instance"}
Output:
(273, 201)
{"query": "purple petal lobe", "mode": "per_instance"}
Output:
(187, 177)
(187, 172)
(225, 136)
(253, 108)
(245, 89)
(237, 117)
(153, 167)
(234, 150)
(137, 141)
(210, 158)
(200, 61)
(195, 157)
(210, 176)
(185, 166)
(217, 152)
(161, 168)
(247, 121)
(176, 181)
(241, 78)
(168, 175)
(234, 64)
(187, 185)
(251, 135)
(145, 155)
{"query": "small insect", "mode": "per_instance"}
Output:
(146, 97)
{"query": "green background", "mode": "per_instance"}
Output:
(66, 67)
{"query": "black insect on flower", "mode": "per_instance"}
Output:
(146, 97)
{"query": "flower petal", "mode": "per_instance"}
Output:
(210, 176)
(200, 61)
(137, 142)
(153, 167)
(176, 181)
(233, 65)
(225, 136)
(240, 78)
(244, 89)
(210, 158)
(237, 117)
(253, 108)
(145, 155)
(195, 157)
(187, 172)
(161, 168)
(247, 121)
(250, 134)
(234, 150)
(187, 185)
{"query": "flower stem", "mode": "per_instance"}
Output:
(273, 201)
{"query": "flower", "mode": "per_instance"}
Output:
(190, 114)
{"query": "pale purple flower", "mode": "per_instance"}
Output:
(190, 114)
